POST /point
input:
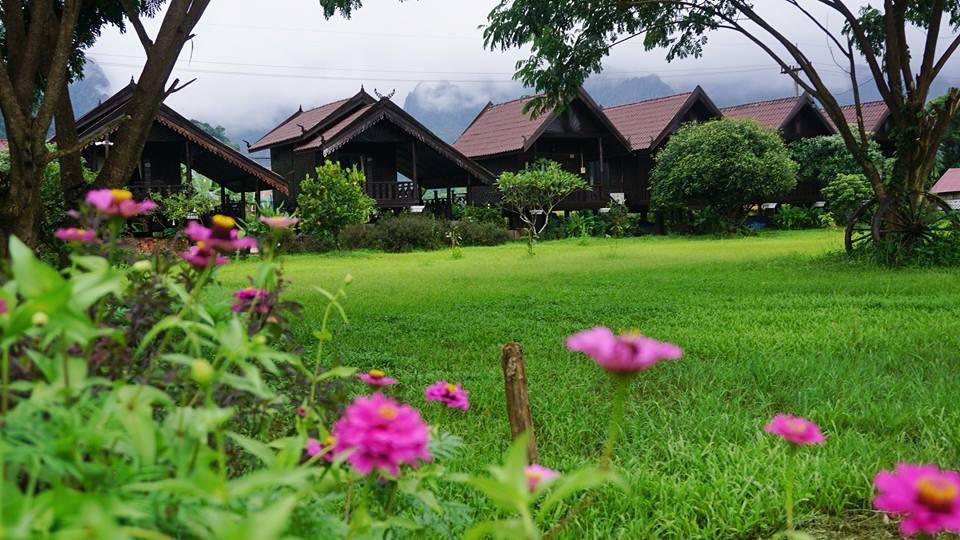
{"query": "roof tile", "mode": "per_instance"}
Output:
(643, 122)
(771, 114)
(290, 129)
(498, 129)
(874, 115)
(948, 183)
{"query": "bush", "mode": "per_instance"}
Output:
(333, 200)
(792, 218)
(178, 207)
(365, 236)
(483, 214)
(723, 165)
(408, 232)
(845, 194)
(616, 221)
(479, 234)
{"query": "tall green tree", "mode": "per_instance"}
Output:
(41, 50)
(569, 40)
(723, 165)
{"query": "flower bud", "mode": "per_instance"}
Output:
(40, 319)
(348, 279)
(202, 372)
(260, 340)
(143, 266)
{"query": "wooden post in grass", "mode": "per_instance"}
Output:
(518, 402)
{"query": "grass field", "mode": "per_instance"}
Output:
(769, 324)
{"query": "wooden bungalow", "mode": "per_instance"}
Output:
(398, 155)
(794, 118)
(175, 148)
(948, 187)
(580, 137)
(876, 120)
(647, 125)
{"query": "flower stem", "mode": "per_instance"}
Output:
(621, 384)
(788, 486)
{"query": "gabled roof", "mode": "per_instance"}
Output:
(108, 116)
(774, 114)
(342, 132)
(504, 127)
(647, 123)
(948, 183)
(875, 113)
(306, 123)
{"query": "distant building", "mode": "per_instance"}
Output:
(175, 148)
(876, 120)
(948, 188)
(794, 117)
(399, 156)
(580, 137)
(647, 125)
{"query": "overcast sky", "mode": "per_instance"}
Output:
(257, 61)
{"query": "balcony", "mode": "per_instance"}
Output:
(393, 194)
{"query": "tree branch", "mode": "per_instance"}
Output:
(134, 16)
(57, 75)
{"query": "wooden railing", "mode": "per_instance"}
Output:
(392, 193)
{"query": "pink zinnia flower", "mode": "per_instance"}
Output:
(251, 296)
(795, 429)
(279, 222)
(4, 308)
(375, 377)
(201, 256)
(302, 411)
(452, 395)
(314, 447)
(537, 474)
(927, 496)
(383, 435)
(118, 202)
(221, 236)
(73, 234)
(626, 353)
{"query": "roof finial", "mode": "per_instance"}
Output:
(246, 142)
(381, 96)
(302, 129)
(361, 88)
(301, 108)
(131, 81)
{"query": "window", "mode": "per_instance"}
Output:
(147, 171)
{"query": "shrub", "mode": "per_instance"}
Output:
(480, 233)
(820, 159)
(791, 218)
(332, 200)
(723, 165)
(536, 191)
(845, 194)
(483, 214)
(582, 224)
(616, 221)
(365, 236)
(408, 232)
(178, 207)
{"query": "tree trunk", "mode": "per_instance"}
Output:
(21, 205)
(72, 182)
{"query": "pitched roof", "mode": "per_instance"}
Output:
(875, 113)
(504, 127)
(948, 183)
(646, 123)
(500, 128)
(107, 117)
(304, 124)
(369, 115)
(319, 140)
(771, 114)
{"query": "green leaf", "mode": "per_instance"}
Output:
(339, 371)
(567, 485)
(504, 495)
(515, 461)
(34, 278)
(509, 529)
(256, 448)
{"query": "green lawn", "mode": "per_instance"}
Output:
(769, 324)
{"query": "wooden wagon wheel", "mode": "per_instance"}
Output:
(859, 233)
(903, 226)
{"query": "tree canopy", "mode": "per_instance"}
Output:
(536, 191)
(722, 165)
(569, 40)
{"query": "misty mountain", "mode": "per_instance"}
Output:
(447, 109)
